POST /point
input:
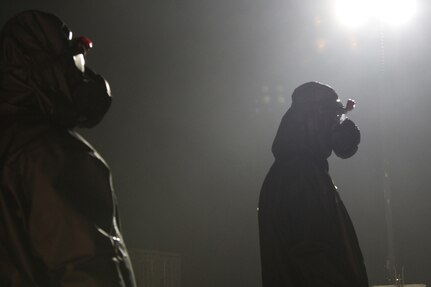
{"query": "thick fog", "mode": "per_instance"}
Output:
(199, 89)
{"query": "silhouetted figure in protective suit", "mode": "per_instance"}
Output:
(58, 214)
(306, 236)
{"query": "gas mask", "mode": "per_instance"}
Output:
(91, 95)
(345, 136)
(43, 73)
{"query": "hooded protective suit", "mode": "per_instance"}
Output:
(58, 214)
(306, 236)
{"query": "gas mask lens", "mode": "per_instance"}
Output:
(79, 61)
(80, 46)
(67, 32)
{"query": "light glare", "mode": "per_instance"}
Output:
(321, 44)
(354, 13)
(396, 12)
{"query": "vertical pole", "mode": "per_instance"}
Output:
(391, 264)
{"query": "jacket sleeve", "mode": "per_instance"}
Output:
(70, 214)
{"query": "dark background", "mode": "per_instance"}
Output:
(200, 87)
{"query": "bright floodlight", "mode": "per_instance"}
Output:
(354, 13)
(396, 12)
